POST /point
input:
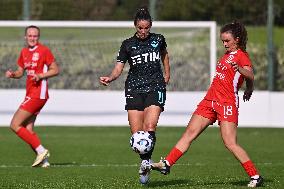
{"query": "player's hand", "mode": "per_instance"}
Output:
(167, 80)
(36, 77)
(9, 74)
(235, 66)
(247, 94)
(105, 80)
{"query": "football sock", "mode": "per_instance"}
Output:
(29, 138)
(40, 149)
(148, 155)
(250, 168)
(173, 156)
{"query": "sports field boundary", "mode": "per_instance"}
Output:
(106, 108)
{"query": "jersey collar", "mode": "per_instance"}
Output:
(34, 47)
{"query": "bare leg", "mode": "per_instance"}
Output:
(135, 119)
(19, 119)
(151, 118)
(229, 136)
(195, 127)
(29, 124)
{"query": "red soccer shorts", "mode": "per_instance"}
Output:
(217, 111)
(33, 105)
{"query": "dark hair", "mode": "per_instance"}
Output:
(142, 14)
(238, 30)
(32, 26)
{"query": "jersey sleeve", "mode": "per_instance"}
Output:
(122, 56)
(49, 58)
(245, 60)
(163, 43)
(21, 60)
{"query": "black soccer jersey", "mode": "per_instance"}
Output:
(144, 57)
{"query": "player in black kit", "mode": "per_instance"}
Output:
(145, 86)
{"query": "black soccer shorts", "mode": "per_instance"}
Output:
(140, 101)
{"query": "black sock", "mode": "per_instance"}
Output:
(148, 155)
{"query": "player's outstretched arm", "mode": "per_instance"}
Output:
(166, 64)
(116, 72)
(15, 74)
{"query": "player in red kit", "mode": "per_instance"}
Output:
(39, 64)
(221, 103)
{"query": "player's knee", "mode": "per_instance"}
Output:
(14, 126)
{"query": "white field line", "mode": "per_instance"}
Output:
(111, 165)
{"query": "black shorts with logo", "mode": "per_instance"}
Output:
(140, 101)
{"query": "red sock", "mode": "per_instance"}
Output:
(29, 138)
(250, 168)
(173, 156)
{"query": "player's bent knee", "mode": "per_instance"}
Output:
(14, 127)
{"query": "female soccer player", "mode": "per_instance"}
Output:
(39, 64)
(145, 86)
(221, 103)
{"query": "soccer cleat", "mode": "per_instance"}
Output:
(163, 166)
(255, 181)
(45, 164)
(41, 157)
(144, 171)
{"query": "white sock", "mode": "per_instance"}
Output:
(40, 149)
(255, 177)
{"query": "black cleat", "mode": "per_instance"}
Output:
(255, 182)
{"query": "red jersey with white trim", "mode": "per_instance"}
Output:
(227, 82)
(36, 60)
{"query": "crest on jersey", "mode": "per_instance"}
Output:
(35, 57)
(154, 44)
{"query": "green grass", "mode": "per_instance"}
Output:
(100, 157)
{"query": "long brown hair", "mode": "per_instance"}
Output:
(238, 30)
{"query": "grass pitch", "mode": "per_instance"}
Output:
(100, 157)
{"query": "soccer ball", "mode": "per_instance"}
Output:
(141, 142)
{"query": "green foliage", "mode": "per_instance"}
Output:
(125, 9)
(252, 12)
(10, 10)
(101, 157)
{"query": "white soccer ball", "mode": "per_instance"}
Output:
(141, 142)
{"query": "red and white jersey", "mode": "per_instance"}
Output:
(227, 82)
(36, 60)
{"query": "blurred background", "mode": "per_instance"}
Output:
(251, 12)
(98, 48)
